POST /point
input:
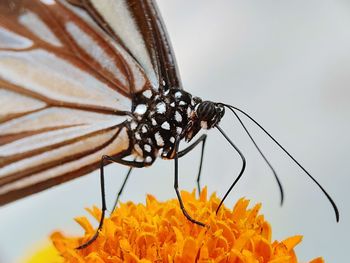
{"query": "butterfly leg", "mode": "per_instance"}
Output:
(176, 187)
(201, 139)
(240, 173)
(122, 188)
(104, 160)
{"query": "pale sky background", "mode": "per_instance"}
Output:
(287, 63)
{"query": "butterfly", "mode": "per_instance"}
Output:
(84, 83)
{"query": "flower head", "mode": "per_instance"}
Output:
(159, 232)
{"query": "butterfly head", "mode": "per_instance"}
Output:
(206, 115)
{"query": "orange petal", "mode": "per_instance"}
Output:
(317, 260)
(291, 242)
(159, 232)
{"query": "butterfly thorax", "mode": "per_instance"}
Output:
(161, 119)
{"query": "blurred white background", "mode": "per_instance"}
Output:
(287, 63)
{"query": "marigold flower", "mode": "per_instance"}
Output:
(159, 232)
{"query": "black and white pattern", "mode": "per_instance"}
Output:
(159, 120)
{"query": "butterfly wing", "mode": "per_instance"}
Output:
(138, 26)
(67, 81)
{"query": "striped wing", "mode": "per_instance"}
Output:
(138, 26)
(68, 72)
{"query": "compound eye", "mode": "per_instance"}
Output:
(220, 110)
(206, 111)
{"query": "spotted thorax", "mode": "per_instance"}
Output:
(160, 120)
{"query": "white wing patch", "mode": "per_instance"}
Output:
(89, 45)
(118, 144)
(14, 103)
(137, 72)
(59, 122)
(34, 24)
(55, 117)
(12, 40)
(65, 151)
(117, 15)
(61, 81)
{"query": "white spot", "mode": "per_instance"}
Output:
(140, 109)
(154, 123)
(35, 24)
(144, 129)
(163, 82)
(160, 108)
(165, 125)
(172, 139)
(159, 139)
(182, 103)
(48, 2)
(165, 153)
(167, 92)
(133, 125)
(178, 95)
(147, 93)
(204, 124)
(172, 104)
(139, 159)
(178, 117)
(178, 130)
(189, 111)
(137, 136)
(147, 147)
(138, 149)
(148, 159)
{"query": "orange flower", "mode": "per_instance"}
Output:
(159, 232)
